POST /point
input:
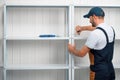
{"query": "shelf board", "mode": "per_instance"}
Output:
(116, 66)
(85, 38)
(37, 67)
(104, 6)
(81, 66)
(35, 5)
(117, 38)
(37, 38)
(80, 38)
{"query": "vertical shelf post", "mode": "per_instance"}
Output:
(4, 46)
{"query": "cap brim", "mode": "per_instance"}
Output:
(86, 16)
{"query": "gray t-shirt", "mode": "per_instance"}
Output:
(97, 39)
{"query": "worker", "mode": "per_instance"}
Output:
(99, 45)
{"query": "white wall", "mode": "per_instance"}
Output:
(33, 21)
(37, 75)
(35, 53)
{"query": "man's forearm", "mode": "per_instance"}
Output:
(89, 28)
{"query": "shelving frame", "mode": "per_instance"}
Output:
(12, 40)
(73, 66)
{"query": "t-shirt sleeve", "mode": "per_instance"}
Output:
(92, 40)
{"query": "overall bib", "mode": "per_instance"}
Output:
(103, 66)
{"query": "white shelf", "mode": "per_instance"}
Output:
(38, 2)
(37, 38)
(117, 38)
(34, 4)
(81, 66)
(85, 38)
(116, 66)
(79, 38)
(37, 67)
(106, 6)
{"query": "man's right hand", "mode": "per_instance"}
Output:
(78, 29)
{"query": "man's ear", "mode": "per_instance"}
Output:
(94, 16)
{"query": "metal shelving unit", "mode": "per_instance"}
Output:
(25, 51)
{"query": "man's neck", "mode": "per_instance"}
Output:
(99, 21)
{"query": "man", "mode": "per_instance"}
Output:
(99, 45)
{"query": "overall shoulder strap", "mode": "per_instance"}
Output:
(104, 33)
(114, 33)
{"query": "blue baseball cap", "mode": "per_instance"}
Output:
(95, 11)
